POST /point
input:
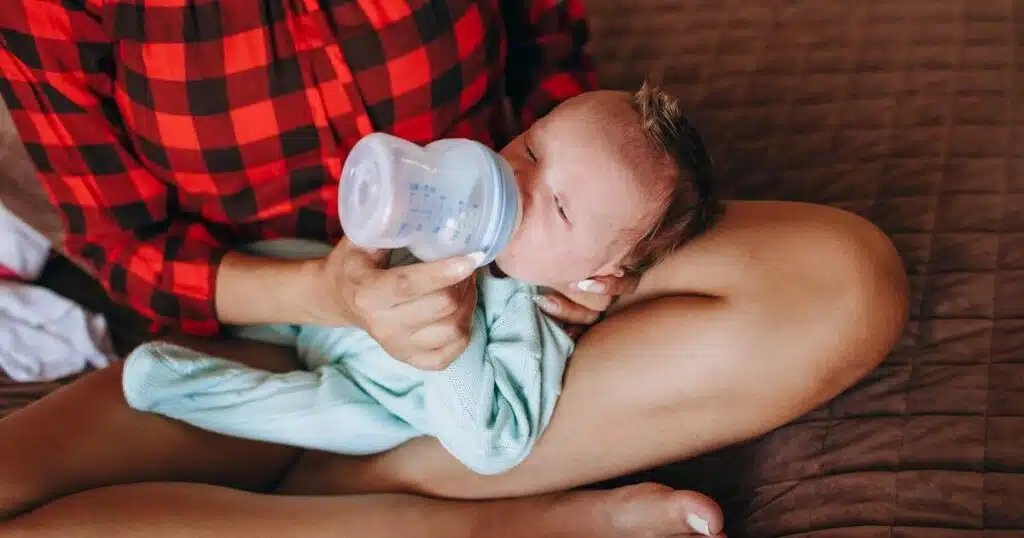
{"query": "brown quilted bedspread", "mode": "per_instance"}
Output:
(909, 112)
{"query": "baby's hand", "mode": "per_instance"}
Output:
(582, 303)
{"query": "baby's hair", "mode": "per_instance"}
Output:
(692, 199)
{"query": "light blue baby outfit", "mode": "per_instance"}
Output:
(488, 408)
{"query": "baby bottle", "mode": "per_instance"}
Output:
(448, 198)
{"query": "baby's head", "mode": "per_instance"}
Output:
(610, 181)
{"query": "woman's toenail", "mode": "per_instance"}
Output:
(698, 524)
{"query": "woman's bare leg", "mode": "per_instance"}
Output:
(85, 436)
(81, 463)
(774, 312)
(197, 511)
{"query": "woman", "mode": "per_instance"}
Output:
(170, 132)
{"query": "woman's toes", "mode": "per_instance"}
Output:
(657, 510)
(702, 515)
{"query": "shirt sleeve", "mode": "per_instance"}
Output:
(547, 60)
(489, 407)
(56, 77)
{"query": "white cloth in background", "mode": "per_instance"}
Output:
(23, 250)
(43, 335)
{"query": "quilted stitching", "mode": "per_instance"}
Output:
(907, 112)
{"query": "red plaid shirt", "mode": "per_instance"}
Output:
(167, 130)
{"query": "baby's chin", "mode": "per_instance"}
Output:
(500, 268)
(496, 270)
(509, 267)
(506, 267)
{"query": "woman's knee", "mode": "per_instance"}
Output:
(869, 274)
(851, 271)
(838, 255)
(786, 271)
(857, 303)
(760, 250)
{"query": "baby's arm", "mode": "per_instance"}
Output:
(320, 409)
(489, 407)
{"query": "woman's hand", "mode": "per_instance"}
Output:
(420, 314)
(582, 303)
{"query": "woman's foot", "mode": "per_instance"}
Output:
(641, 511)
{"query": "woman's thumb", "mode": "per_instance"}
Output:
(365, 256)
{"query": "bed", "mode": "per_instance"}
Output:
(909, 112)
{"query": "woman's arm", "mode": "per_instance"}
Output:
(256, 290)
(56, 77)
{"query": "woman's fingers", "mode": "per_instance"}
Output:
(441, 342)
(394, 286)
(607, 285)
(565, 310)
(393, 303)
(432, 308)
(441, 358)
(598, 302)
(583, 302)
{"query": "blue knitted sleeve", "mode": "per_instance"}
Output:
(489, 407)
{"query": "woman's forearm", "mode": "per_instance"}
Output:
(254, 290)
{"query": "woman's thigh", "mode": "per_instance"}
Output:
(84, 436)
(775, 311)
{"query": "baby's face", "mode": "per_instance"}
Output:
(584, 199)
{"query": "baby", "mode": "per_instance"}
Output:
(610, 182)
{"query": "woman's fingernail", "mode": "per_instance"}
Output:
(698, 524)
(591, 286)
(620, 273)
(546, 304)
(460, 268)
(467, 264)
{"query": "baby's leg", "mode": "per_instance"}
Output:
(320, 409)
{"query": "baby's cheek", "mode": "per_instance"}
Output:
(520, 261)
(511, 260)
